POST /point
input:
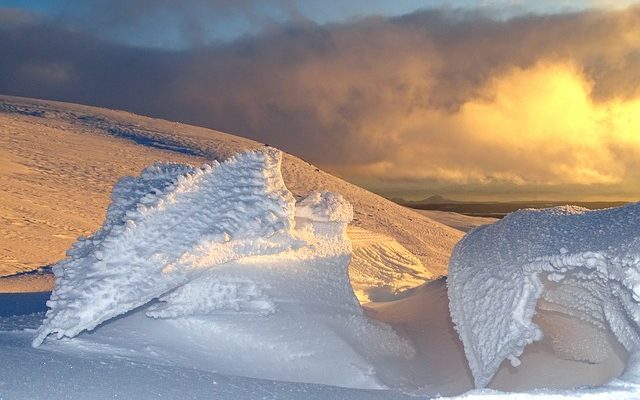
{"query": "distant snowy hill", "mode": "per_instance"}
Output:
(59, 161)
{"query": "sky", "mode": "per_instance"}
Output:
(482, 100)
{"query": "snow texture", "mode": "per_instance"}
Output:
(377, 257)
(162, 230)
(580, 263)
(223, 256)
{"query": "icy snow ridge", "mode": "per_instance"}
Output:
(219, 269)
(581, 263)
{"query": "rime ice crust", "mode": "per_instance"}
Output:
(324, 207)
(162, 229)
(223, 256)
(582, 263)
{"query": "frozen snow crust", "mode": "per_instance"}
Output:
(581, 263)
(219, 269)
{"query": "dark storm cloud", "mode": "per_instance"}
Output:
(400, 98)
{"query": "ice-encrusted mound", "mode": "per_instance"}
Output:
(223, 259)
(580, 263)
(164, 227)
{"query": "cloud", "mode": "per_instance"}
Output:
(536, 125)
(177, 22)
(438, 97)
(11, 18)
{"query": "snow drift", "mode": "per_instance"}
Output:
(580, 264)
(224, 259)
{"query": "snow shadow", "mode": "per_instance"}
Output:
(23, 303)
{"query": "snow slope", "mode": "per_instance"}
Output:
(581, 266)
(278, 306)
(60, 161)
(56, 177)
(457, 221)
(382, 268)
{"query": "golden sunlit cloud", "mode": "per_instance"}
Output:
(537, 125)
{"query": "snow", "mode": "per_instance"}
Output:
(457, 221)
(125, 358)
(223, 256)
(241, 279)
(582, 265)
(377, 257)
(56, 371)
(165, 227)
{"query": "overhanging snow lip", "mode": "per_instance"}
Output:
(483, 373)
(564, 264)
(526, 243)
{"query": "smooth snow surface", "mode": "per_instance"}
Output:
(457, 221)
(143, 358)
(579, 265)
(223, 260)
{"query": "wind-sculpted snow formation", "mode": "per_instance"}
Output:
(162, 229)
(224, 256)
(568, 260)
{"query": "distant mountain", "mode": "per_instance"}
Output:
(431, 200)
(398, 200)
(436, 199)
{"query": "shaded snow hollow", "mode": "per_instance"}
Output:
(223, 259)
(578, 264)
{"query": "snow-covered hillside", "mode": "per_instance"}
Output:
(59, 161)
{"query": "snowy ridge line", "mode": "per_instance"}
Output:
(109, 127)
(584, 264)
(156, 227)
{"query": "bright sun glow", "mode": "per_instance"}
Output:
(549, 108)
(537, 125)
